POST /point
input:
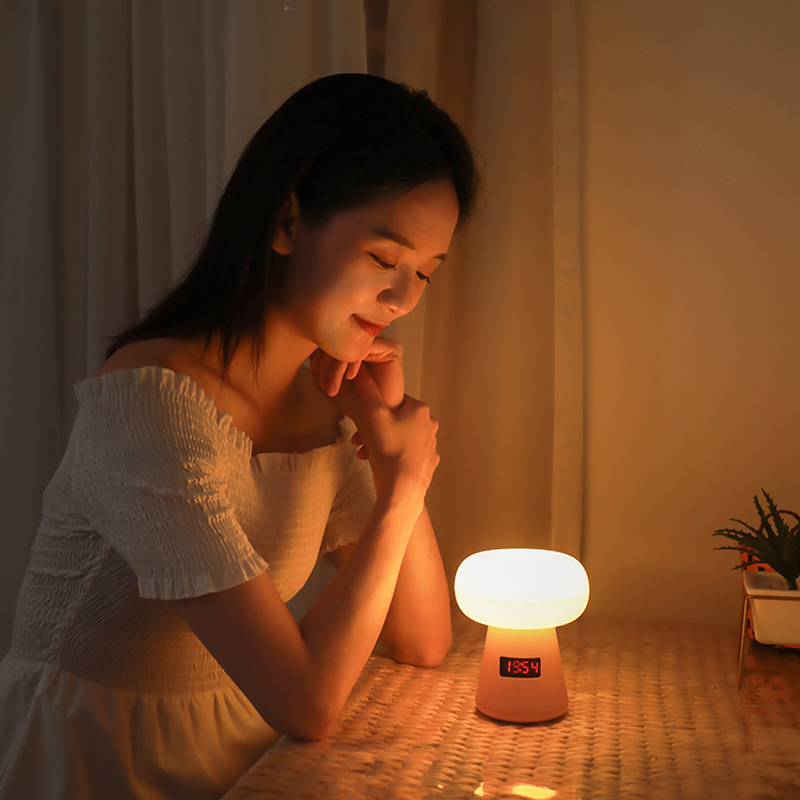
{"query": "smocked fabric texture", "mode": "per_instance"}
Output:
(158, 497)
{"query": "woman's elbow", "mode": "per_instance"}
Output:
(311, 730)
(433, 656)
(309, 719)
(428, 653)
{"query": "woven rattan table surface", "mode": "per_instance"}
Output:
(654, 713)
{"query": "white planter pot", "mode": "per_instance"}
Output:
(776, 609)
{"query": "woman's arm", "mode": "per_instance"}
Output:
(418, 628)
(418, 625)
(299, 676)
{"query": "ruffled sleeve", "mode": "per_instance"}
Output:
(150, 471)
(352, 505)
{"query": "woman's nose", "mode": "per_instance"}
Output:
(402, 294)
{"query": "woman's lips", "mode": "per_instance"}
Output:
(372, 328)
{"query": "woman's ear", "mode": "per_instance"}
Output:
(287, 223)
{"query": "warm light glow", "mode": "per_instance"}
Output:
(522, 588)
(535, 792)
(522, 595)
(524, 790)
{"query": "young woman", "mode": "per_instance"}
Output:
(208, 469)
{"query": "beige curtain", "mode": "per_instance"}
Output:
(120, 120)
(497, 347)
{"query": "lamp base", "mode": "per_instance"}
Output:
(521, 677)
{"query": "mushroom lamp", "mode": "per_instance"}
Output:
(522, 595)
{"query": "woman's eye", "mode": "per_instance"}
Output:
(386, 265)
(382, 264)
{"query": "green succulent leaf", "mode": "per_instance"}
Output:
(774, 543)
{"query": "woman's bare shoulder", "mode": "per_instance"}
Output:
(178, 355)
(147, 353)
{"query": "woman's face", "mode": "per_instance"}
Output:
(364, 267)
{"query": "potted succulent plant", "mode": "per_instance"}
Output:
(775, 543)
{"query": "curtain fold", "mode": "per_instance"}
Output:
(30, 344)
(120, 121)
(496, 348)
(568, 415)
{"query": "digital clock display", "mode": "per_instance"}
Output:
(520, 667)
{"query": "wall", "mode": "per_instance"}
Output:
(691, 127)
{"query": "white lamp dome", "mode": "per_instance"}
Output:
(522, 588)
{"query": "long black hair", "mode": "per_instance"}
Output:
(339, 142)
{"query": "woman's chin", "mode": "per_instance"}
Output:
(350, 353)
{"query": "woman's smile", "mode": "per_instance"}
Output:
(372, 328)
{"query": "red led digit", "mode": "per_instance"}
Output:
(520, 667)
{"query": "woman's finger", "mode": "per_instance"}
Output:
(335, 377)
(356, 440)
(352, 370)
(328, 372)
(383, 350)
(319, 361)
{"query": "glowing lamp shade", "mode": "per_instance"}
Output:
(522, 595)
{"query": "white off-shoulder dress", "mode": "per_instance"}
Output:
(106, 692)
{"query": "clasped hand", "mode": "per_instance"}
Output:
(396, 433)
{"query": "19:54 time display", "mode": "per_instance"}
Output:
(520, 667)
